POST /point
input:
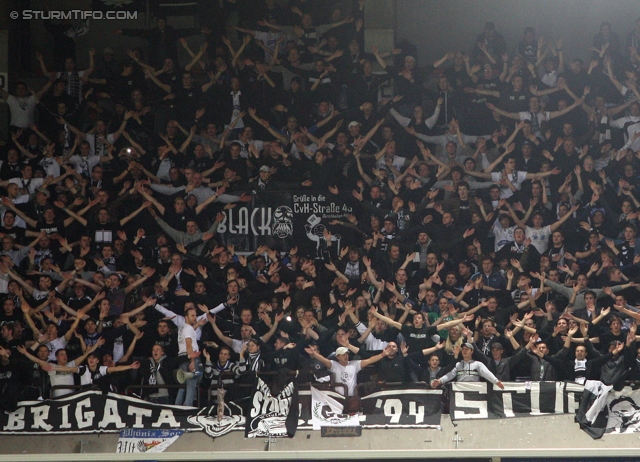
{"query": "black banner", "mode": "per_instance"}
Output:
(412, 408)
(284, 219)
(272, 415)
(91, 412)
(94, 412)
(480, 400)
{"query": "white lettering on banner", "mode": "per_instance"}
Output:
(319, 205)
(264, 226)
(84, 419)
(166, 417)
(15, 420)
(111, 415)
(139, 413)
(559, 404)
(393, 409)
(65, 416)
(535, 398)
(507, 402)
(481, 406)
(572, 403)
(241, 221)
(419, 415)
(40, 416)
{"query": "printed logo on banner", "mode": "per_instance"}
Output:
(315, 232)
(273, 415)
(132, 440)
(623, 411)
(282, 222)
(216, 425)
(327, 411)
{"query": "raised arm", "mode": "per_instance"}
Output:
(511, 115)
(325, 362)
(373, 310)
(226, 340)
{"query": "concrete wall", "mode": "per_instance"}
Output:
(438, 26)
(549, 436)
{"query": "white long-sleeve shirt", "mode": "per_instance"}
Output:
(371, 342)
(179, 321)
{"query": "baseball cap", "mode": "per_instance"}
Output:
(354, 123)
(468, 345)
(342, 351)
(265, 168)
(497, 345)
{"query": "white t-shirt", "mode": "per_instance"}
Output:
(516, 178)
(62, 378)
(187, 331)
(503, 236)
(50, 166)
(237, 345)
(55, 345)
(22, 110)
(270, 40)
(84, 166)
(346, 375)
(541, 116)
(86, 378)
(397, 162)
(539, 237)
(97, 147)
(31, 185)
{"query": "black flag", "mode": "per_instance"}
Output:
(270, 415)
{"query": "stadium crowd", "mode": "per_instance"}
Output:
(492, 232)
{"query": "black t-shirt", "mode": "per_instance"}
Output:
(418, 339)
(103, 233)
(514, 101)
(57, 227)
(18, 234)
(187, 101)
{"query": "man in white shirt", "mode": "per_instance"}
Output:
(189, 352)
(343, 370)
(61, 374)
(535, 113)
(23, 105)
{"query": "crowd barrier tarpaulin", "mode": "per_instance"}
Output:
(285, 219)
(407, 408)
(480, 400)
(607, 411)
(327, 410)
(273, 415)
(94, 412)
(146, 440)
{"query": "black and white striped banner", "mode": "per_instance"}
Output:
(479, 400)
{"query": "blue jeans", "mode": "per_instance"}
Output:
(186, 397)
